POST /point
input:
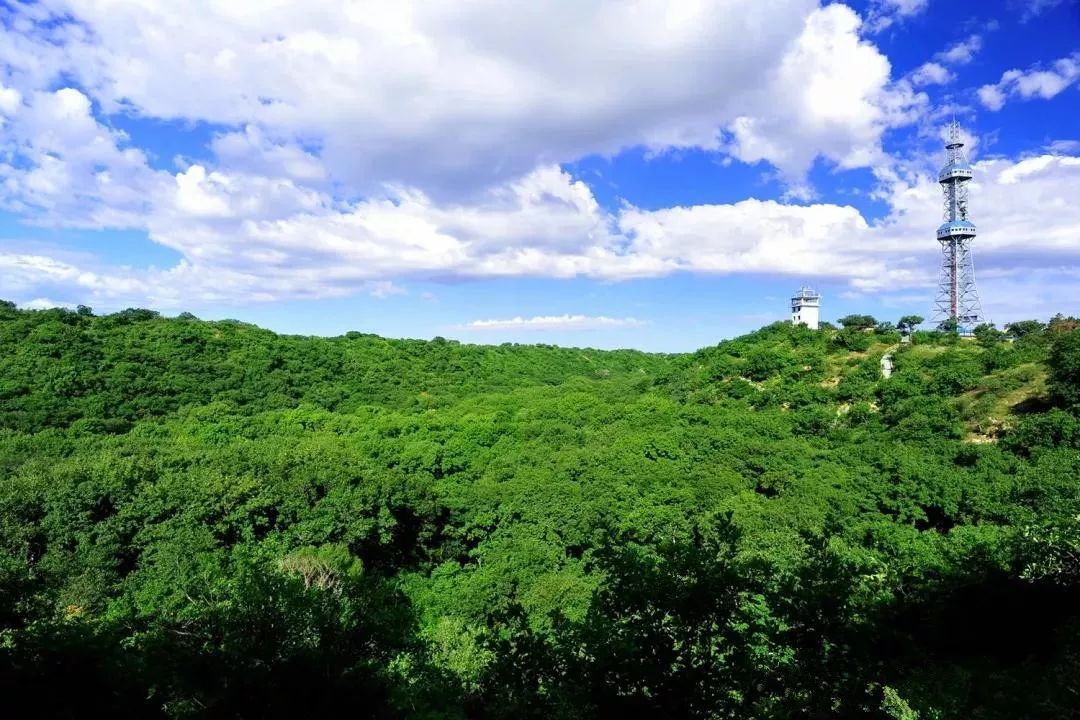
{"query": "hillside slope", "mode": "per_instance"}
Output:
(207, 518)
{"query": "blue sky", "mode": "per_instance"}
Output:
(609, 174)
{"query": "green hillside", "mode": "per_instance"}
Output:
(208, 519)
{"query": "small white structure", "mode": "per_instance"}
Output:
(806, 308)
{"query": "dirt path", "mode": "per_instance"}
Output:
(886, 365)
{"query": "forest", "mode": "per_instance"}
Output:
(207, 519)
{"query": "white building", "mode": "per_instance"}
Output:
(806, 308)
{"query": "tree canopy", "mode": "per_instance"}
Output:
(209, 519)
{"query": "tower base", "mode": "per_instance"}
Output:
(957, 301)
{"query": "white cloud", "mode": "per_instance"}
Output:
(348, 133)
(907, 7)
(44, 304)
(549, 225)
(248, 237)
(253, 152)
(1032, 83)
(961, 53)
(553, 322)
(1063, 147)
(10, 98)
(70, 169)
(932, 73)
(992, 97)
(1023, 208)
(884, 13)
(482, 92)
(831, 97)
(385, 288)
(24, 275)
(184, 286)
(751, 236)
(1034, 8)
(199, 194)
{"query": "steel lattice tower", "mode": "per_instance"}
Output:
(957, 298)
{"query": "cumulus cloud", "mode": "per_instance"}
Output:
(992, 97)
(250, 237)
(252, 151)
(932, 73)
(1021, 208)
(750, 236)
(553, 322)
(367, 147)
(481, 92)
(1035, 82)
(68, 168)
(831, 97)
(548, 224)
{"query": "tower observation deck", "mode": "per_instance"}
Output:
(957, 300)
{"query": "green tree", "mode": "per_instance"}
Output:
(1061, 323)
(858, 322)
(908, 323)
(1064, 366)
(853, 339)
(1023, 328)
(207, 518)
(895, 706)
(987, 335)
(949, 325)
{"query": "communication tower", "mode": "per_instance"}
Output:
(806, 308)
(957, 299)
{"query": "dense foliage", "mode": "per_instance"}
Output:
(205, 518)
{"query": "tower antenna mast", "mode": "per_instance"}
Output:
(957, 302)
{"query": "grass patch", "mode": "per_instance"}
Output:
(993, 406)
